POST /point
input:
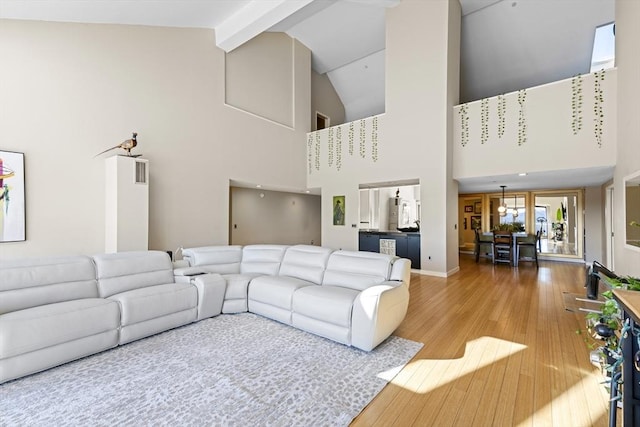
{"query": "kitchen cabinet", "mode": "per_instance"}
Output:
(369, 242)
(407, 244)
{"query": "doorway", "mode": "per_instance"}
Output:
(322, 121)
(608, 227)
(556, 216)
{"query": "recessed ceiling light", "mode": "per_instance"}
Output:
(307, 191)
(258, 186)
(522, 174)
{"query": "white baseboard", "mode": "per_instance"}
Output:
(437, 273)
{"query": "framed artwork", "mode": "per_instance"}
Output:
(477, 208)
(468, 208)
(338, 210)
(12, 197)
(476, 222)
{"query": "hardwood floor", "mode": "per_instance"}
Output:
(499, 350)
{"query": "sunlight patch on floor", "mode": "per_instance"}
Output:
(578, 416)
(425, 375)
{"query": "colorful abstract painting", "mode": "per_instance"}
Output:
(12, 197)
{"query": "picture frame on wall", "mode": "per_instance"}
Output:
(338, 210)
(468, 208)
(477, 208)
(476, 222)
(12, 197)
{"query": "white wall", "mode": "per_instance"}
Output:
(550, 140)
(325, 100)
(68, 91)
(412, 138)
(267, 93)
(594, 225)
(627, 261)
(273, 217)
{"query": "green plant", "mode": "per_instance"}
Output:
(610, 315)
(513, 227)
(502, 227)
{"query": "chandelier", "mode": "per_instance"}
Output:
(502, 209)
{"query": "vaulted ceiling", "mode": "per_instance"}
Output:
(506, 45)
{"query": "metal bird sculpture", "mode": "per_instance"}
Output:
(125, 145)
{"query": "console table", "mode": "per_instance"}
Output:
(629, 302)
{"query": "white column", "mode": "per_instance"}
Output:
(126, 204)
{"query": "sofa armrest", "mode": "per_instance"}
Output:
(401, 270)
(377, 312)
(181, 263)
(185, 274)
(211, 290)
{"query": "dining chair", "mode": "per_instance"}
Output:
(483, 245)
(530, 246)
(503, 247)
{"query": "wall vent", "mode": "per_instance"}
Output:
(141, 172)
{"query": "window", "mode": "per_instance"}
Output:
(603, 55)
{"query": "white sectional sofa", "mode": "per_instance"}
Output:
(355, 298)
(55, 310)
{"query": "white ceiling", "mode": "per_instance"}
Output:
(506, 45)
(553, 180)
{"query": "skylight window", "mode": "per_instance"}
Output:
(604, 47)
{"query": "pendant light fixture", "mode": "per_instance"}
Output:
(515, 206)
(502, 209)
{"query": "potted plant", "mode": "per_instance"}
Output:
(513, 227)
(604, 327)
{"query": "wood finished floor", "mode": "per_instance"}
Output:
(499, 349)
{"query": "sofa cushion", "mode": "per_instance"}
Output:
(331, 304)
(52, 324)
(276, 290)
(33, 282)
(215, 259)
(142, 304)
(125, 271)
(357, 270)
(305, 262)
(262, 259)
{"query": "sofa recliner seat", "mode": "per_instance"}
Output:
(142, 283)
(51, 313)
(272, 296)
(328, 310)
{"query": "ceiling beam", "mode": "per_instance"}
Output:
(253, 19)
